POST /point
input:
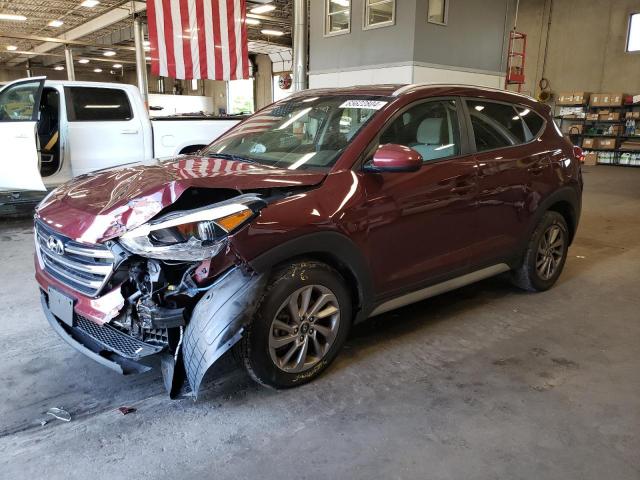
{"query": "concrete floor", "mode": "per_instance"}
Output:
(482, 383)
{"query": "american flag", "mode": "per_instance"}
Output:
(198, 39)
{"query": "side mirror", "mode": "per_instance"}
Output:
(395, 158)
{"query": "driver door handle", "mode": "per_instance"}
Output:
(22, 135)
(133, 131)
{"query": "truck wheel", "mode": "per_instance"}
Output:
(300, 325)
(545, 256)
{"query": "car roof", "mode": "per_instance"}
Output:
(398, 90)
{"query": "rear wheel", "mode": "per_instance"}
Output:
(546, 254)
(301, 323)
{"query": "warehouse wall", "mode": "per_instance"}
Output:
(469, 49)
(586, 45)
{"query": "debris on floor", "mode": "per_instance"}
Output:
(58, 413)
(126, 410)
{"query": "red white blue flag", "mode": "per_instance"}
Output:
(192, 39)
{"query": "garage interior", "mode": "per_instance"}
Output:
(482, 382)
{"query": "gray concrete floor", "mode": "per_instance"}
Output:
(482, 383)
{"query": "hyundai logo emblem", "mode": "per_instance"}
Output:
(55, 245)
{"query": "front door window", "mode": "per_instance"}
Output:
(430, 128)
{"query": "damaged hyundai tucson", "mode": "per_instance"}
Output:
(317, 212)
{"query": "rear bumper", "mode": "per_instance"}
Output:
(108, 347)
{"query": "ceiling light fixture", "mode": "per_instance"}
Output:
(117, 65)
(275, 33)
(12, 48)
(89, 3)
(12, 18)
(56, 23)
(58, 67)
(252, 21)
(263, 8)
(109, 53)
(146, 43)
(83, 60)
(97, 70)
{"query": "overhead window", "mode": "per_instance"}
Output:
(633, 37)
(88, 104)
(437, 11)
(338, 17)
(379, 13)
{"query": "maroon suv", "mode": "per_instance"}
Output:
(319, 211)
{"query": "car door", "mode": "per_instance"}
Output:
(103, 130)
(419, 223)
(508, 163)
(19, 161)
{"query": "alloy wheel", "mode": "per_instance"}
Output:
(304, 328)
(550, 252)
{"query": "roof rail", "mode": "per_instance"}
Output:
(412, 86)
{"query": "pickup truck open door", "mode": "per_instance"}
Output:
(19, 157)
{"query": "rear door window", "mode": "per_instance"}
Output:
(89, 104)
(495, 125)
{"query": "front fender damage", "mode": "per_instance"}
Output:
(216, 325)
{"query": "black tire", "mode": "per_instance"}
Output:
(254, 350)
(527, 276)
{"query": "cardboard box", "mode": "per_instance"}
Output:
(565, 98)
(573, 98)
(616, 98)
(609, 117)
(590, 158)
(597, 100)
(605, 143)
(581, 98)
(587, 142)
(592, 117)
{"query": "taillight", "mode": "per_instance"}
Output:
(578, 153)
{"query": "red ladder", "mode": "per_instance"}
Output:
(515, 60)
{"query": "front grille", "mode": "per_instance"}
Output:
(85, 268)
(115, 340)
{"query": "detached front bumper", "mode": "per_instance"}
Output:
(102, 343)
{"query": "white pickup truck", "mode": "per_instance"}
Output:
(51, 131)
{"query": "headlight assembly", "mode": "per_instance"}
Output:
(190, 235)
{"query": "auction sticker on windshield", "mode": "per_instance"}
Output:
(369, 104)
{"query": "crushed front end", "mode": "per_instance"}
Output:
(172, 287)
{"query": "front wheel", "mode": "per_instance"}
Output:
(300, 325)
(546, 254)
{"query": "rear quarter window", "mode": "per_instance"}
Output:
(89, 104)
(533, 121)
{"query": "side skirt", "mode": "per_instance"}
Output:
(439, 288)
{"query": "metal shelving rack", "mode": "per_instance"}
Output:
(577, 138)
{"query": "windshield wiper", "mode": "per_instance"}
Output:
(229, 156)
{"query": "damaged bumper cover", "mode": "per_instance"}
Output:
(110, 348)
(216, 325)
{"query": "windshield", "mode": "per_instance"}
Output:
(301, 133)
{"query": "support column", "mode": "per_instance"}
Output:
(141, 63)
(300, 35)
(68, 57)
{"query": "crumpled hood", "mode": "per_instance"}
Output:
(99, 206)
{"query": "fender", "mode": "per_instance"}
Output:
(339, 250)
(564, 194)
(218, 321)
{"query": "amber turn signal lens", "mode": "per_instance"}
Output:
(232, 221)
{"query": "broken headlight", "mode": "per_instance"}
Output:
(188, 235)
